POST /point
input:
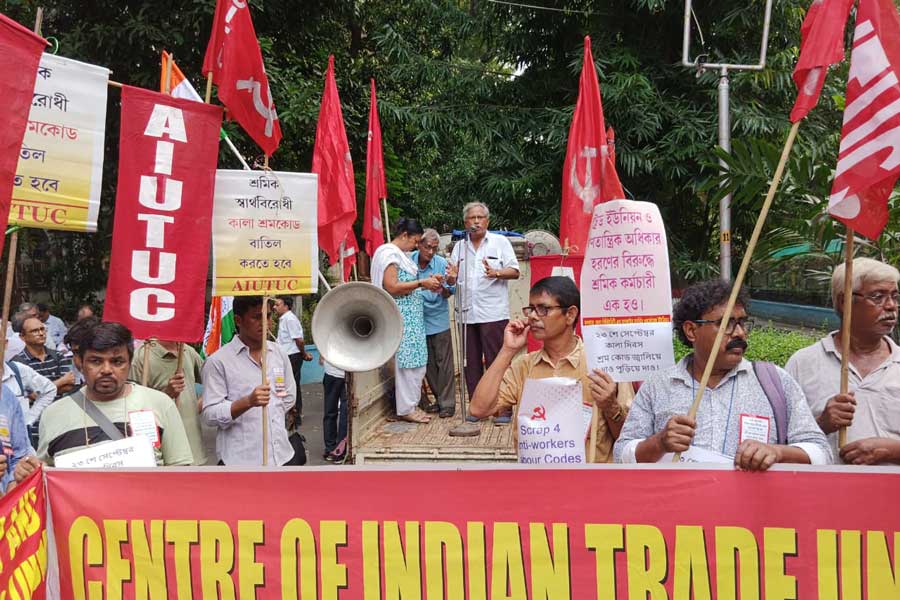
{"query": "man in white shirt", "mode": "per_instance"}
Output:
(34, 391)
(485, 261)
(871, 409)
(290, 339)
(56, 329)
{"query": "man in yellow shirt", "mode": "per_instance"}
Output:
(551, 318)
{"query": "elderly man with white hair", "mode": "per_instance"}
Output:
(485, 261)
(871, 409)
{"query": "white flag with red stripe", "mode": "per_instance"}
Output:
(869, 157)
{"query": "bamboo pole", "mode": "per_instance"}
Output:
(168, 84)
(387, 221)
(265, 378)
(341, 255)
(7, 292)
(845, 325)
(745, 263)
(208, 88)
(595, 424)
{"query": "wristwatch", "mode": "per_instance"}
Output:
(616, 417)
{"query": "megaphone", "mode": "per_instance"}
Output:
(357, 326)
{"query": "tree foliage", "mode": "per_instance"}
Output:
(476, 98)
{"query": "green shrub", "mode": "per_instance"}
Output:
(766, 343)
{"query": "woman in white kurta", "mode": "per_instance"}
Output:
(394, 271)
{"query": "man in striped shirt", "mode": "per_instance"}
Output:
(44, 360)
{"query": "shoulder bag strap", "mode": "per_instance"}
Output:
(774, 390)
(111, 431)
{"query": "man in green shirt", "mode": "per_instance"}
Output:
(106, 352)
(179, 385)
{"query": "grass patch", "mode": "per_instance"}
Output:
(767, 344)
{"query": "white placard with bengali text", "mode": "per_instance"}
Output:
(134, 451)
(552, 422)
(626, 293)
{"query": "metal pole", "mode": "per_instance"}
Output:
(464, 429)
(725, 202)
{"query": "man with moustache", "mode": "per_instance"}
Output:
(737, 420)
(871, 409)
(66, 426)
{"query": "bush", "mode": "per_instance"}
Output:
(767, 344)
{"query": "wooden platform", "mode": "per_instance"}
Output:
(392, 441)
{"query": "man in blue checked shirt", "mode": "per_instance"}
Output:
(13, 436)
(439, 371)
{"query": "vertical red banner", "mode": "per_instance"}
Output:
(20, 53)
(168, 149)
(23, 540)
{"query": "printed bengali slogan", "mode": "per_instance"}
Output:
(264, 233)
(58, 178)
(626, 294)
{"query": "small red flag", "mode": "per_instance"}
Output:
(822, 45)
(331, 161)
(376, 187)
(20, 54)
(869, 156)
(235, 61)
(589, 175)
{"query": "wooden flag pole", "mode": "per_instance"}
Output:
(595, 424)
(265, 378)
(387, 221)
(845, 325)
(745, 263)
(7, 292)
(168, 84)
(208, 88)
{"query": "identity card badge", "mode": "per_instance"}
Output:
(754, 428)
(143, 422)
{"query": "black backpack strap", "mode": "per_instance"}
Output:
(111, 431)
(768, 378)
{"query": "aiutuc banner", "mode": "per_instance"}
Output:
(23, 541)
(264, 233)
(60, 167)
(516, 533)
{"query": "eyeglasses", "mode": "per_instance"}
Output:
(879, 298)
(746, 324)
(39, 330)
(541, 309)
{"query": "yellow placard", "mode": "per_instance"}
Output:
(57, 183)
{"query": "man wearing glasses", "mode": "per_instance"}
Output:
(43, 359)
(550, 317)
(737, 420)
(871, 411)
(439, 370)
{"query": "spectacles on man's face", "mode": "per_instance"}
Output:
(879, 298)
(746, 324)
(542, 310)
(429, 247)
(37, 331)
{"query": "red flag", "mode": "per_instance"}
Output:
(589, 175)
(351, 249)
(168, 148)
(331, 161)
(376, 187)
(822, 45)
(869, 156)
(24, 541)
(235, 60)
(20, 53)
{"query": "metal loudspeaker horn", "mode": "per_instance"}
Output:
(357, 326)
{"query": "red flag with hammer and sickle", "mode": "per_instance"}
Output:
(235, 61)
(589, 175)
(869, 156)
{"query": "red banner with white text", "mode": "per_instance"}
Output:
(512, 533)
(23, 541)
(168, 150)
